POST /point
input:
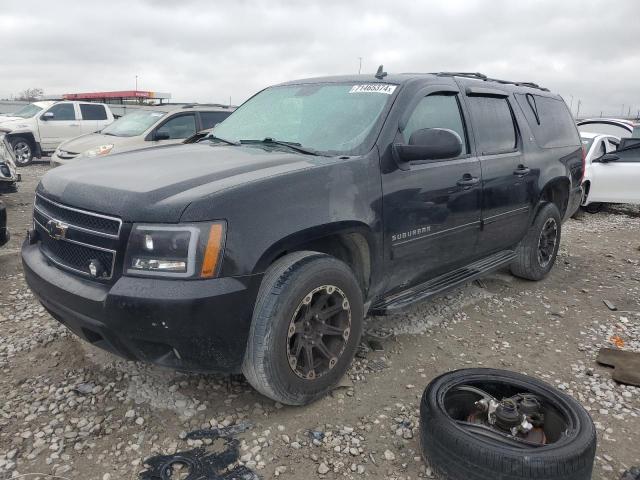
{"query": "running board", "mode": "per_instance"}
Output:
(400, 301)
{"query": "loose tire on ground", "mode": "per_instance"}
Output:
(528, 263)
(456, 454)
(288, 283)
(23, 151)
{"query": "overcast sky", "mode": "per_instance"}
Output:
(209, 51)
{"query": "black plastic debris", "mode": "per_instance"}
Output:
(631, 474)
(202, 464)
(610, 305)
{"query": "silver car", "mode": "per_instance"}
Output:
(146, 127)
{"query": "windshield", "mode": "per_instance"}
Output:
(27, 111)
(134, 123)
(330, 118)
(636, 132)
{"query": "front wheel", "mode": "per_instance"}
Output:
(22, 151)
(536, 253)
(306, 327)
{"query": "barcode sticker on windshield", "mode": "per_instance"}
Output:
(374, 88)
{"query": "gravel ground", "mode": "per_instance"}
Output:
(71, 410)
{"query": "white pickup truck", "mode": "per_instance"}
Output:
(38, 128)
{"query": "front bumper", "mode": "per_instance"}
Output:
(191, 325)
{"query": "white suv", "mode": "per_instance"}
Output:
(38, 128)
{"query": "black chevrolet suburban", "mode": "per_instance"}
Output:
(261, 248)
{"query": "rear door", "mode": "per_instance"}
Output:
(506, 195)
(432, 210)
(63, 125)
(616, 181)
(93, 117)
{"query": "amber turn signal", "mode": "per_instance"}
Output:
(212, 252)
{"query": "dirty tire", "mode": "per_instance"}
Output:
(527, 263)
(23, 151)
(456, 454)
(285, 284)
(594, 207)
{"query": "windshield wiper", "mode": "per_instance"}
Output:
(291, 145)
(223, 140)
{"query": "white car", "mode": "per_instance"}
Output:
(612, 170)
(38, 128)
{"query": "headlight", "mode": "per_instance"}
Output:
(189, 250)
(101, 150)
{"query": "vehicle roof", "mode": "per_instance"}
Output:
(439, 77)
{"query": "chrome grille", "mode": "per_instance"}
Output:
(87, 237)
(80, 219)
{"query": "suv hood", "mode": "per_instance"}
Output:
(16, 124)
(157, 184)
(86, 142)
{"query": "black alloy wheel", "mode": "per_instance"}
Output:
(547, 242)
(319, 332)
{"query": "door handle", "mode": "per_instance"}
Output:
(521, 170)
(467, 181)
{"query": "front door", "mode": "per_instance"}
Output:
(506, 179)
(432, 209)
(63, 125)
(616, 181)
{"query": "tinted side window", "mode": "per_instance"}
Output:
(92, 112)
(437, 111)
(209, 119)
(493, 125)
(553, 126)
(182, 126)
(62, 111)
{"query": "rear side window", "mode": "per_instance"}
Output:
(550, 120)
(493, 125)
(93, 112)
(437, 111)
(210, 119)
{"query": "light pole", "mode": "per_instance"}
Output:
(360, 66)
(136, 83)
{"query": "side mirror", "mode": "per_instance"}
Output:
(428, 144)
(161, 136)
(606, 158)
(48, 116)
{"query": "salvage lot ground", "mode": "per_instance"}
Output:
(69, 409)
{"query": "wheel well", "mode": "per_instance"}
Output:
(28, 136)
(587, 187)
(557, 192)
(352, 248)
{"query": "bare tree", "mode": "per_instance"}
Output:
(30, 94)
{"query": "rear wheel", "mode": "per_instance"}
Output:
(306, 327)
(22, 151)
(594, 207)
(536, 253)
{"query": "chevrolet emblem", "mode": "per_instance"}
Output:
(57, 230)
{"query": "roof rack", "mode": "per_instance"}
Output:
(484, 78)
